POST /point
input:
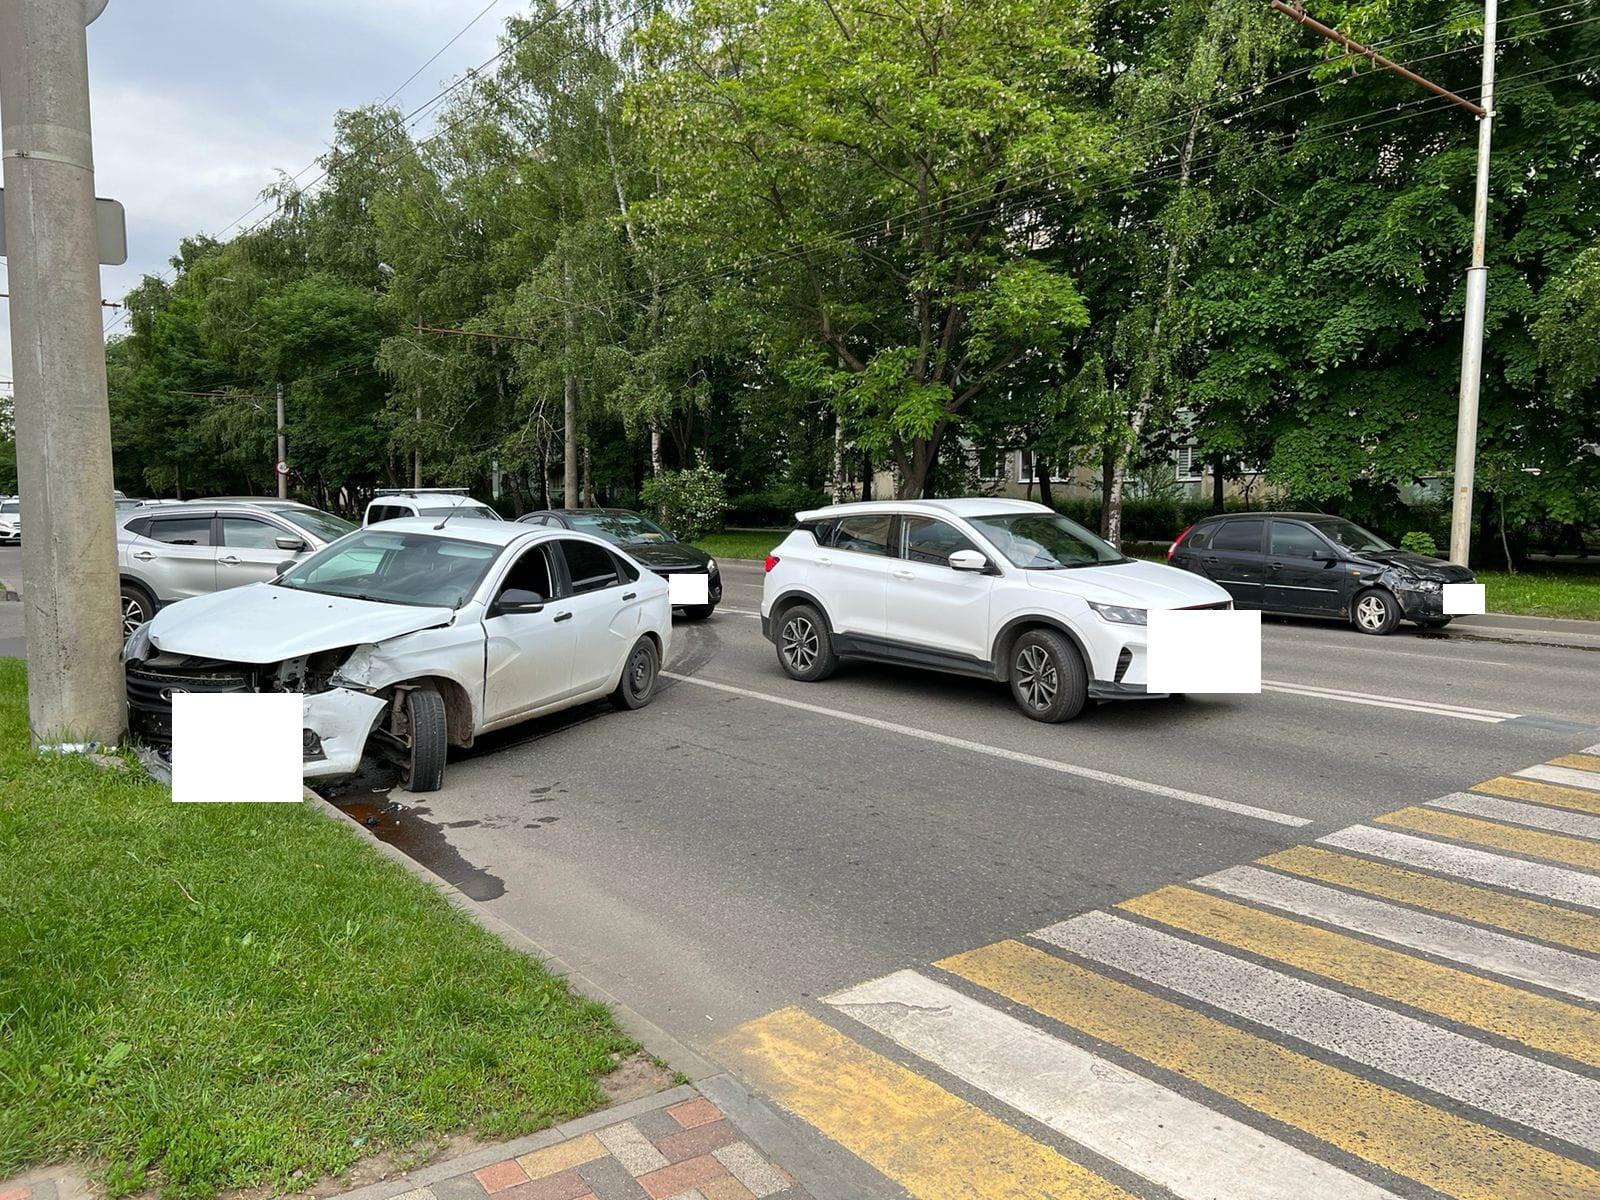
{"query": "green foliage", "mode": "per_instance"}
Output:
(691, 503)
(1419, 542)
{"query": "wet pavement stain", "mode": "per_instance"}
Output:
(406, 829)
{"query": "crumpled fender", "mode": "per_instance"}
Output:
(442, 653)
(343, 719)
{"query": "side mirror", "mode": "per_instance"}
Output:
(517, 600)
(291, 543)
(1323, 554)
(968, 560)
(287, 565)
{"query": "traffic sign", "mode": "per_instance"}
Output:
(283, 467)
(111, 229)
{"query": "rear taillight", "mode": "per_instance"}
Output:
(772, 561)
(1176, 542)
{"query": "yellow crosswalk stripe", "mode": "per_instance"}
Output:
(1511, 1012)
(1556, 847)
(1540, 793)
(932, 1143)
(1516, 914)
(1446, 1152)
(1579, 762)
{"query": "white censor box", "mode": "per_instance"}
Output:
(689, 588)
(1204, 650)
(1463, 599)
(237, 748)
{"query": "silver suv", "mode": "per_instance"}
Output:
(176, 551)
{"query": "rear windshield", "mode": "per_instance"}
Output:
(477, 512)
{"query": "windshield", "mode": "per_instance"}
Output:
(620, 528)
(322, 525)
(477, 512)
(10, 506)
(395, 568)
(1350, 535)
(1045, 541)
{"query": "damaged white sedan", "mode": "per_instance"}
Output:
(414, 636)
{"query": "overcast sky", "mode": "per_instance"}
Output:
(198, 103)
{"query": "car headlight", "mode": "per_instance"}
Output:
(1121, 614)
(138, 644)
(1423, 585)
(711, 566)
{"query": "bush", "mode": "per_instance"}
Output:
(1419, 542)
(774, 507)
(691, 503)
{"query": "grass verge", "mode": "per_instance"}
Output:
(1537, 593)
(207, 997)
(741, 543)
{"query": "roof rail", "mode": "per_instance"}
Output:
(419, 491)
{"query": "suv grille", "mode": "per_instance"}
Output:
(150, 692)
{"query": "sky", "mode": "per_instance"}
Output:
(198, 104)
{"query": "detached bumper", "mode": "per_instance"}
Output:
(337, 725)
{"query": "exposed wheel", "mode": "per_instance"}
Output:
(805, 648)
(698, 612)
(427, 739)
(1375, 611)
(639, 675)
(1048, 679)
(137, 608)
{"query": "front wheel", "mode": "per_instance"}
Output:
(1048, 679)
(805, 647)
(427, 738)
(639, 675)
(1375, 612)
(698, 612)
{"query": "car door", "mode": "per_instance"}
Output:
(852, 573)
(249, 552)
(931, 605)
(527, 655)
(604, 607)
(1295, 580)
(1235, 559)
(176, 556)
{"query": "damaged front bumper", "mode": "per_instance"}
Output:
(338, 723)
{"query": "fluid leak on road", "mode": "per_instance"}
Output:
(407, 828)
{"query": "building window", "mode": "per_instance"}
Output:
(1025, 470)
(1188, 467)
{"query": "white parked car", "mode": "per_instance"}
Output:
(1001, 589)
(11, 521)
(410, 638)
(396, 504)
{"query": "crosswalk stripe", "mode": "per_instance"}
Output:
(1532, 1093)
(1536, 879)
(1395, 1131)
(1540, 793)
(932, 1143)
(1553, 846)
(1168, 1139)
(1579, 762)
(1511, 1012)
(1517, 914)
(1513, 812)
(1545, 966)
(1563, 775)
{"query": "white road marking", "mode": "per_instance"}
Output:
(1558, 820)
(1568, 776)
(1172, 1141)
(1560, 970)
(1436, 708)
(739, 612)
(1480, 866)
(1538, 1095)
(1032, 760)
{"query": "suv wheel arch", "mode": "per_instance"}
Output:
(1000, 652)
(797, 596)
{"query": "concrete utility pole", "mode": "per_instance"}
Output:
(1477, 273)
(69, 559)
(283, 453)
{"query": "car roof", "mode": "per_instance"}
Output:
(579, 512)
(445, 499)
(964, 506)
(1294, 516)
(467, 529)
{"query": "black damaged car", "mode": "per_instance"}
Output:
(1309, 564)
(646, 541)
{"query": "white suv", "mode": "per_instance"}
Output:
(1002, 589)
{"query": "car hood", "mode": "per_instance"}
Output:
(666, 554)
(1419, 565)
(1137, 584)
(263, 623)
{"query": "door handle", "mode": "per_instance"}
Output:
(230, 559)
(905, 575)
(1276, 566)
(143, 555)
(566, 616)
(823, 560)
(1211, 558)
(630, 595)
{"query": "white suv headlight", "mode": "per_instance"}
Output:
(1121, 614)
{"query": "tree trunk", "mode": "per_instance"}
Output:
(836, 480)
(1217, 496)
(1041, 472)
(866, 476)
(1108, 466)
(655, 448)
(588, 480)
(569, 406)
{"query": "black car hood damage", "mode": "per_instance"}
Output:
(1419, 565)
(668, 556)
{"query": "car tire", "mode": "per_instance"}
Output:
(805, 647)
(698, 612)
(423, 769)
(640, 674)
(1048, 679)
(1375, 611)
(138, 606)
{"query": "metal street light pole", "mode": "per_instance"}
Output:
(69, 557)
(1477, 296)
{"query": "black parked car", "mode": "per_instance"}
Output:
(652, 545)
(1309, 564)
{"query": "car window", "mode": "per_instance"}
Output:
(590, 567)
(396, 568)
(925, 540)
(1351, 536)
(1291, 540)
(1200, 538)
(323, 525)
(535, 519)
(386, 512)
(247, 533)
(1238, 535)
(477, 512)
(139, 526)
(821, 531)
(182, 531)
(864, 534)
(625, 569)
(1045, 541)
(531, 573)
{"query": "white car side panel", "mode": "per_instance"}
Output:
(453, 652)
(528, 662)
(939, 607)
(857, 587)
(343, 719)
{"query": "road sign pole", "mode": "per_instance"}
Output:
(69, 559)
(283, 452)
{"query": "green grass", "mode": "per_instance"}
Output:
(1544, 593)
(741, 543)
(208, 997)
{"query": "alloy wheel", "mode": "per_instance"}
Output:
(133, 616)
(800, 645)
(1036, 677)
(1372, 612)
